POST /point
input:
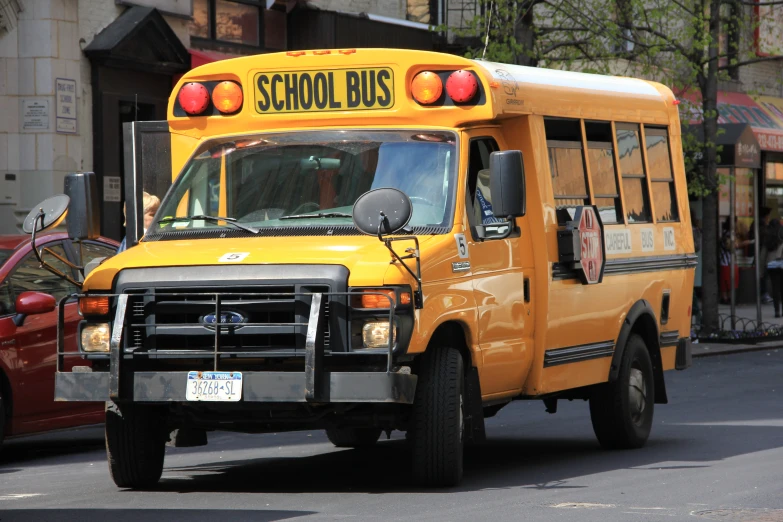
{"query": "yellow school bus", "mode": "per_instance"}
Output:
(366, 240)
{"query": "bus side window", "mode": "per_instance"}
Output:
(567, 167)
(637, 200)
(656, 142)
(479, 196)
(603, 170)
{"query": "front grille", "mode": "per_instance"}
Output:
(274, 319)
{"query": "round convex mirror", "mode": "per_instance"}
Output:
(54, 209)
(395, 205)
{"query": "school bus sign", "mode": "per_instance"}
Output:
(324, 90)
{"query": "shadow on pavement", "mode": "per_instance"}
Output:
(76, 446)
(500, 463)
(705, 422)
(147, 515)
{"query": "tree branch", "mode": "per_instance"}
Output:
(750, 62)
(759, 4)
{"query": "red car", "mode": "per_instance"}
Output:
(28, 334)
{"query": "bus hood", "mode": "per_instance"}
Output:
(366, 258)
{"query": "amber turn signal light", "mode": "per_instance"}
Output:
(227, 97)
(426, 87)
(94, 305)
(372, 299)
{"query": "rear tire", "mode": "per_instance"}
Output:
(353, 437)
(622, 411)
(135, 444)
(437, 421)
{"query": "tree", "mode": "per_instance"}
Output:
(689, 45)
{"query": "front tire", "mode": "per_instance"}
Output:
(135, 444)
(437, 421)
(2, 417)
(353, 437)
(622, 411)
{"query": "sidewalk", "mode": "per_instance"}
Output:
(747, 312)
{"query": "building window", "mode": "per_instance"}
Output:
(566, 165)
(230, 21)
(603, 171)
(424, 11)
(637, 200)
(660, 165)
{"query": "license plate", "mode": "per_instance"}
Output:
(214, 386)
(324, 90)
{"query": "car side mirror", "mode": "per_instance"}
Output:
(382, 211)
(84, 218)
(32, 303)
(507, 183)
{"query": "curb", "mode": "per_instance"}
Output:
(736, 350)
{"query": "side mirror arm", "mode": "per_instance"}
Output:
(19, 319)
(510, 227)
(47, 266)
(413, 253)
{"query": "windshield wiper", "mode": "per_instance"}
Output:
(319, 215)
(229, 222)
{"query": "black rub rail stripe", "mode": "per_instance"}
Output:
(633, 265)
(580, 353)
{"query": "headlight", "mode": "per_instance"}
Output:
(96, 337)
(375, 334)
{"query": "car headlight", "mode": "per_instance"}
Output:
(375, 334)
(96, 337)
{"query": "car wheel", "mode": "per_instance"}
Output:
(135, 444)
(2, 418)
(353, 437)
(437, 421)
(622, 411)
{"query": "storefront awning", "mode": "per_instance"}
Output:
(763, 113)
(740, 147)
(199, 57)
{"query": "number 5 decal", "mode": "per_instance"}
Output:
(462, 245)
(233, 257)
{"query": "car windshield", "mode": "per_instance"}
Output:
(310, 179)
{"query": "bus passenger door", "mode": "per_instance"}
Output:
(498, 279)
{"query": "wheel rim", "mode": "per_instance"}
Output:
(637, 395)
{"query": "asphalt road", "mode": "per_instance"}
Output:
(716, 453)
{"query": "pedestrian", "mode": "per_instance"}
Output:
(696, 303)
(727, 246)
(151, 204)
(766, 216)
(774, 244)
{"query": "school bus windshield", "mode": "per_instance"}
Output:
(311, 179)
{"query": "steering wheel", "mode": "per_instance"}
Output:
(423, 200)
(310, 206)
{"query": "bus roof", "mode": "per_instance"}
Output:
(269, 80)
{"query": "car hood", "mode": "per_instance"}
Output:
(366, 258)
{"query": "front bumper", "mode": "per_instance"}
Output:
(354, 387)
(316, 384)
